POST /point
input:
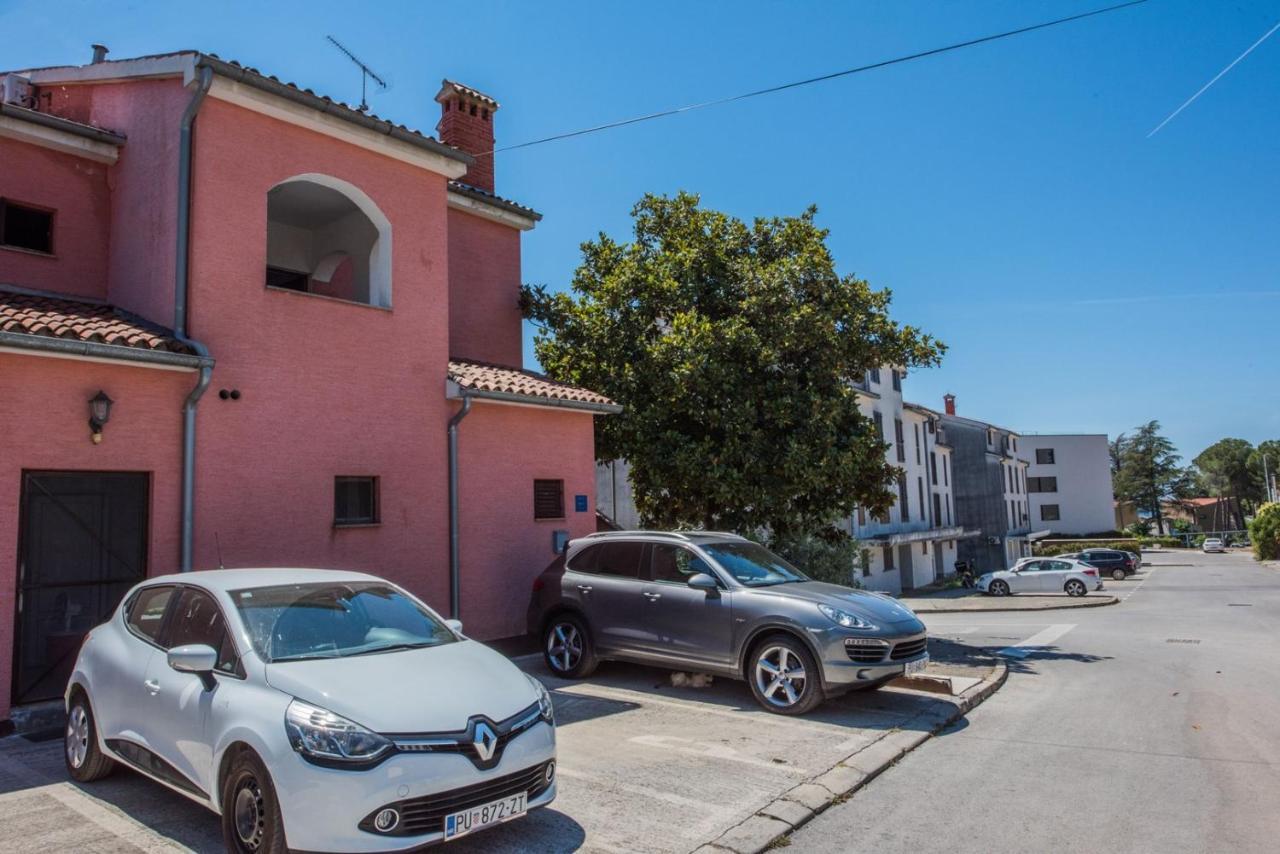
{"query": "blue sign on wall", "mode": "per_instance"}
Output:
(580, 503)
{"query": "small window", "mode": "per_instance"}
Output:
(879, 420)
(198, 620)
(23, 227)
(900, 440)
(865, 561)
(548, 499)
(355, 501)
(620, 559)
(897, 380)
(1044, 456)
(875, 376)
(1049, 512)
(904, 500)
(146, 613)
(888, 558)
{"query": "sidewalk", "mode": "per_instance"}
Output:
(960, 600)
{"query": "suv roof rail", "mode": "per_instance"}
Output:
(685, 536)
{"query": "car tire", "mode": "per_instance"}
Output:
(251, 818)
(567, 648)
(783, 654)
(85, 760)
(1075, 587)
(1118, 574)
(998, 588)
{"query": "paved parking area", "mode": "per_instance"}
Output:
(644, 767)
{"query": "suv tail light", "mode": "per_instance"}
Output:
(538, 584)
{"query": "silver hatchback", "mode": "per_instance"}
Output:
(718, 603)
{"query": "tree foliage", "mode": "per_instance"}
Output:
(732, 347)
(1264, 532)
(1148, 470)
(1225, 470)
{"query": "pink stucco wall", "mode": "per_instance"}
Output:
(43, 422)
(76, 189)
(501, 450)
(484, 290)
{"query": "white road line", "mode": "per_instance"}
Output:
(1041, 638)
(1138, 586)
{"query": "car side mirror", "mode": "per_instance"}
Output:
(702, 581)
(196, 658)
(454, 625)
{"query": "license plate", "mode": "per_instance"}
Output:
(912, 667)
(476, 818)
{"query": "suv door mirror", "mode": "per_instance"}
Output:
(702, 581)
(455, 625)
(196, 658)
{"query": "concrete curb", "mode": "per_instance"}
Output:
(796, 807)
(1087, 603)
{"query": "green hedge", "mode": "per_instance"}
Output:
(1264, 532)
(1051, 549)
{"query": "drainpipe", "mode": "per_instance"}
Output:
(454, 584)
(181, 287)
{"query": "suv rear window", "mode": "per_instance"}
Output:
(618, 559)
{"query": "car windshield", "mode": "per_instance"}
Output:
(752, 564)
(292, 622)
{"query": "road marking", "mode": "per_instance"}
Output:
(711, 751)
(1138, 586)
(713, 811)
(1042, 638)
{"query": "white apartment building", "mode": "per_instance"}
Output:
(914, 543)
(1069, 482)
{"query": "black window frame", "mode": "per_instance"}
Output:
(899, 437)
(641, 561)
(875, 376)
(897, 380)
(27, 208)
(127, 612)
(1057, 513)
(650, 561)
(540, 515)
(904, 498)
(1045, 457)
(375, 501)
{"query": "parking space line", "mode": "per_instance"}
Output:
(1138, 586)
(707, 750)
(1023, 648)
(714, 815)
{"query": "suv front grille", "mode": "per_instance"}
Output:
(426, 814)
(865, 650)
(909, 649)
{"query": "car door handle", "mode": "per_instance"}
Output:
(653, 597)
(153, 686)
(585, 588)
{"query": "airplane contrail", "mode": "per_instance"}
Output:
(1218, 76)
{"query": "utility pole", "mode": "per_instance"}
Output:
(1266, 479)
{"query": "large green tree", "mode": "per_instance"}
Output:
(1148, 470)
(1226, 471)
(734, 348)
(1270, 467)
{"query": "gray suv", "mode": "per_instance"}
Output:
(718, 603)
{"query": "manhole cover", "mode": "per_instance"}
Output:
(1182, 640)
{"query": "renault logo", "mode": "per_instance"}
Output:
(485, 741)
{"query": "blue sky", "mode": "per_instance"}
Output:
(1086, 278)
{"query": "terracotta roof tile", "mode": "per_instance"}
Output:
(495, 199)
(480, 376)
(49, 316)
(461, 89)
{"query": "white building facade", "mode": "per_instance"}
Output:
(1069, 482)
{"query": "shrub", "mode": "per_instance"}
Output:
(1162, 542)
(1264, 532)
(1051, 549)
(830, 557)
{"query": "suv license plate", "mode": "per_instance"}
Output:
(476, 818)
(913, 667)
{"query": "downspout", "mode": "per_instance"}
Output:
(454, 574)
(181, 286)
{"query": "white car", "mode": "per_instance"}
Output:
(1042, 575)
(311, 709)
(1213, 544)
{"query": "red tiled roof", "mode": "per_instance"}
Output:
(48, 316)
(480, 376)
(462, 89)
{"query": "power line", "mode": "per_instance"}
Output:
(1205, 87)
(780, 88)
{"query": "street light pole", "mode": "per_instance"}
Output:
(1266, 479)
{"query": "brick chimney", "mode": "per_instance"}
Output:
(466, 122)
(949, 401)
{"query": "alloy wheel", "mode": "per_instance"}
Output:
(250, 814)
(1075, 588)
(77, 735)
(780, 676)
(564, 646)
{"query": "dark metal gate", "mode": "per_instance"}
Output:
(82, 544)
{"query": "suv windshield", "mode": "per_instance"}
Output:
(752, 564)
(292, 622)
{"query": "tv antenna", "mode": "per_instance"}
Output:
(366, 74)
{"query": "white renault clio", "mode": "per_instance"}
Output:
(314, 710)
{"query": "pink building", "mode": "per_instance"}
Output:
(307, 321)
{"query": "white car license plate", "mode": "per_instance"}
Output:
(915, 666)
(494, 812)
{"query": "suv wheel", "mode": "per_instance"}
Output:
(251, 820)
(1118, 574)
(566, 647)
(85, 760)
(784, 677)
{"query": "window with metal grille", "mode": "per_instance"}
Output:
(25, 227)
(548, 499)
(1042, 484)
(355, 500)
(1044, 456)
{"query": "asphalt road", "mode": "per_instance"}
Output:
(1148, 726)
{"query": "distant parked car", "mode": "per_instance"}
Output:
(1043, 575)
(1213, 544)
(1118, 564)
(721, 604)
(333, 707)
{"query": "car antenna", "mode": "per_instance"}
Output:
(218, 545)
(366, 74)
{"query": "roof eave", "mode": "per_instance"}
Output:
(457, 391)
(95, 351)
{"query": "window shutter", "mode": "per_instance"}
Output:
(548, 499)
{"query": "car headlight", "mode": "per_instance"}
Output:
(545, 706)
(320, 735)
(844, 618)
